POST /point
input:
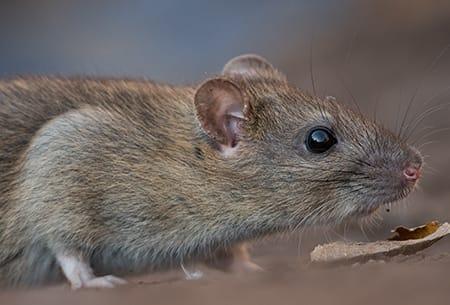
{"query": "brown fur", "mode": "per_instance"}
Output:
(121, 172)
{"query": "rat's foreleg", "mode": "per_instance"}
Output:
(80, 274)
(236, 259)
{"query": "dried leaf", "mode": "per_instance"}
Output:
(402, 233)
(349, 253)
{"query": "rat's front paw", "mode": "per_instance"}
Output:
(236, 260)
(107, 281)
(243, 266)
(80, 275)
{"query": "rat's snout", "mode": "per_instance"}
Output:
(412, 173)
(394, 176)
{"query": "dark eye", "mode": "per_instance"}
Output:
(319, 140)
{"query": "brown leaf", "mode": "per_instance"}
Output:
(402, 233)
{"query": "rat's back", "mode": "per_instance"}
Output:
(27, 104)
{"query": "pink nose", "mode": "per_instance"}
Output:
(411, 173)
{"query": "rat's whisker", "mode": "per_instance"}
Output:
(431, 133)
(311, 70)
(420, 118)
(361, 227)
(443, 105)
(375, 108)
(426, 74)
(343, 83)
(423, 145)
(300, 239)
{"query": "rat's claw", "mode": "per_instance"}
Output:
(107, 281)
(247, 266)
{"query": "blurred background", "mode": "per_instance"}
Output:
(381, 55)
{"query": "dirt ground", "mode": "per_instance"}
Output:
(378, 55)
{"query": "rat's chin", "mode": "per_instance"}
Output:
(383, 199)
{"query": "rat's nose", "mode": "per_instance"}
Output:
(412, 173)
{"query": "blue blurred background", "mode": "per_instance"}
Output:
(179, 41)
(171, 40)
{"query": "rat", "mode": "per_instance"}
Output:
(102, 178)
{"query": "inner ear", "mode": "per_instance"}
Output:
(252, 65)
(221, 110)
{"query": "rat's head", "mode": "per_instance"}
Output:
(309, 159)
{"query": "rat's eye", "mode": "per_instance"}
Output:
(319, 140)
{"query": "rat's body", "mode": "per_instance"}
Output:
(127, 176)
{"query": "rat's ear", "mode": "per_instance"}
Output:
(221, 109)
(252, 65)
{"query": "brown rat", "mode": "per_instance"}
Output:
(121, 176)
